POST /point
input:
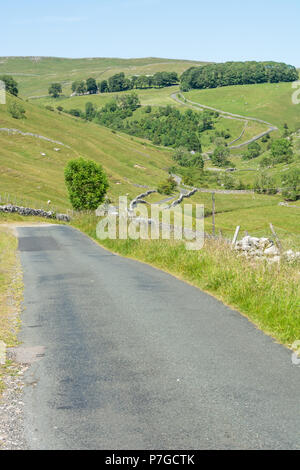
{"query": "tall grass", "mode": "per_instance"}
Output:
(10, 292)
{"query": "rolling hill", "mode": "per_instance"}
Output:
(27, 174)
(35, 74)
(32, 170)
(271, 102)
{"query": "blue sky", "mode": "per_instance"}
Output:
(215, 30)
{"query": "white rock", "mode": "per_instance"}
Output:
(246, 247)
(291, 255)
(265, 245)
(275, 259)
(272, 251)
(254, 241)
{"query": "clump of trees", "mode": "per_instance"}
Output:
(90, 111)
(227, 181)
(11, 86)
(86, 182)
(265, 184)
(167, 187)
(76, 113)
(281, 151)
(291, 184)
(220, 156)
(117, 110)
(119, 82)
(55, 90)
(237, 73)
(16, 110)
(103, 86)
(81, 87)
(188, 159)
(165, 126)
(253, 151)
(91, 86)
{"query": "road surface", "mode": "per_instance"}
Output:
(129, 357)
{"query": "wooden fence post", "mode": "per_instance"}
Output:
(236, 233)
(276, 237)
(213, 214)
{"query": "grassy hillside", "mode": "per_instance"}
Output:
(31, 170)
(158, 97)
(35, 74)
(254, 213)
(129, 162)
(152, 97)
(271, 102)
(248, 170)
(29, 175)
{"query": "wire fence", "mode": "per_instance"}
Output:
(290, 239)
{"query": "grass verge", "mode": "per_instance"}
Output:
(267, 295)
(11, 288)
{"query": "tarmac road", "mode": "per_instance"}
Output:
(129, 357)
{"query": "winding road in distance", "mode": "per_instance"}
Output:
(193, 104)
(129, 357)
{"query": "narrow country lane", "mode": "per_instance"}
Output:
(129, 357)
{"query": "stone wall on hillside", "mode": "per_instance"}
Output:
(9, 208)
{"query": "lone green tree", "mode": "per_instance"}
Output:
(86, 182)
(282, 151)
(91, 86)
(103, 86)
(220, 156)
(167, 187)
(55, 89)
(253, 151)
(90, 111)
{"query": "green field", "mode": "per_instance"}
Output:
(158, 97)
(271, 102)
(32, 172)
(253, 213)
(29, 176)
(35, 74)
(32, 179)
(152, 96)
